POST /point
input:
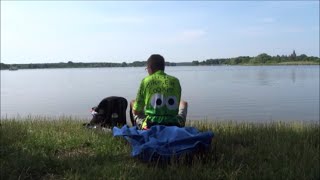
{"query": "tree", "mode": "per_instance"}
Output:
(4, 66)
(302, 57)
(124, 64)
(261, 58)
(139, 63)
(195, 63)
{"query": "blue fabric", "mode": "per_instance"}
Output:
(164, 141)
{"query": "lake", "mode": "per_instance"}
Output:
(238, 93)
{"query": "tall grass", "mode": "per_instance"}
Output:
(38, 148)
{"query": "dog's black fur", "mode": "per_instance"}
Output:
(111, 111)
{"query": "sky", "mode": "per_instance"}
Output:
(181, 31)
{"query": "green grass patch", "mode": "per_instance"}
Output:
(282, 63)
(299, 63)
(40, 148)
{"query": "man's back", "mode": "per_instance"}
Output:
(159, 96)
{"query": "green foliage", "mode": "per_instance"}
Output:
(170, 64)
(124, 64)
(262, 58)
(4, 66)
(196, 63)
(43, 148)
(241, 60)
(139, 63)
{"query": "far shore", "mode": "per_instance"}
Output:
(190, 65)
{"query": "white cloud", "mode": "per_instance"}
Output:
(265, 31)
(191, 35)
(185, 36)
(268, 20)
(93, 19)
(252, 31)
(291, 30)
(123, 19)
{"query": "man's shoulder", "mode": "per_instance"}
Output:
(172, 77)
(146, 79)
(159, 76)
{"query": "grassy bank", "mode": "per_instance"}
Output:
(299, 63)
(282, 63)
(63, 149)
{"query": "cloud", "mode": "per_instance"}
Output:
(122, 19)
(98, 19)
(252, 31)
(185, 36)
(292, 30)
(268, 20)
(266, 31)
(190, 35)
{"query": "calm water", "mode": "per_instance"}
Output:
(239, 93)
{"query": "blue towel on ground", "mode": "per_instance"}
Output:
(164, 141)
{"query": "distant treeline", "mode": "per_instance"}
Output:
(261, 59)
(241, 60)
(71, 64)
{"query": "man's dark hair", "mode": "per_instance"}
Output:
(156, 62)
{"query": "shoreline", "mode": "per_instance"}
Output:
(265, 64)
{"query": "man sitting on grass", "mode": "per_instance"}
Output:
(158, 99)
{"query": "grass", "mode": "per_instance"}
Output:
(282, 63)
(299, 63)
(39, 148)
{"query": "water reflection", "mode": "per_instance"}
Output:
(263, 77)
(293, 75)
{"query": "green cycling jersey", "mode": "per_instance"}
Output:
(159, 98)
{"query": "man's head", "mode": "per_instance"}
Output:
(155, 63)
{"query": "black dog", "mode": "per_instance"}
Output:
(110, 112)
